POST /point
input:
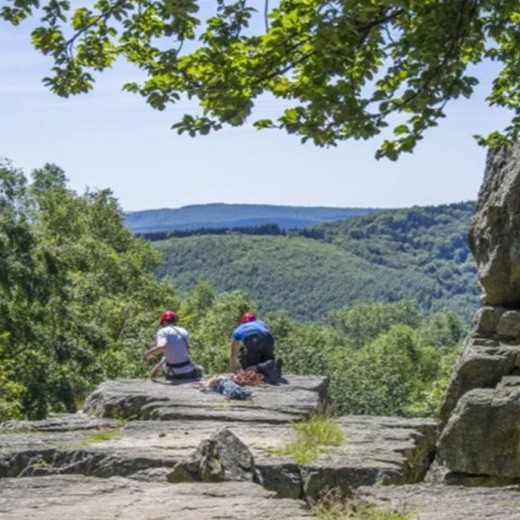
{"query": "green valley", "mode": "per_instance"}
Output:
(419, 254)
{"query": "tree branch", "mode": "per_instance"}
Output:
(106, 14)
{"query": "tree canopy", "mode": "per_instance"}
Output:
(79, 305)
(420, 253)
(78, 299)
(344, 68)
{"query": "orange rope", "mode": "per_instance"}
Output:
(248, 378)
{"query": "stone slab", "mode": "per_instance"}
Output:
(88, 498)
(481, 437)
(381, 450)
(377, 451)
(144, 399)
(127, 448)
(425, 502)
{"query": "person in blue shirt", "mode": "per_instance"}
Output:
(253, 346)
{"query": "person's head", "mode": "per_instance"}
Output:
(168, 318)
(247, 317)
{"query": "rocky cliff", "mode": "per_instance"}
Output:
(495, 231)
(480, 414)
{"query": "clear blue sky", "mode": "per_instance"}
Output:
(111, 139)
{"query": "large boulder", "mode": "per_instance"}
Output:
(478, 367)
(479, 409)
(222, 457)
(481, 437)
(135, 399)
(495, 231)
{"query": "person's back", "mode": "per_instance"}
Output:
(244, 330)
(173, 343)
(253, 346)
(175, 339)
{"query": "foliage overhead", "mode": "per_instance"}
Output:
(344, 68)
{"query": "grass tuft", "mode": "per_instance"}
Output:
(313, 437)
(14, 428)
(101, 436)
(357, 510)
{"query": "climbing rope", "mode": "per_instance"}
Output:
(248, 378)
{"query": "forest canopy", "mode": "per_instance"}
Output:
(345, 69)
(420, 254)
(79, 304)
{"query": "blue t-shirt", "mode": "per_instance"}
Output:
(251, 327)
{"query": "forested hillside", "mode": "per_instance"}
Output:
(78, 298)
(419, 254)
(79, 304)
(235, 215)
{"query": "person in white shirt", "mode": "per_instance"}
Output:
(173, 342)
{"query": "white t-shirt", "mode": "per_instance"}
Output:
(176, 340)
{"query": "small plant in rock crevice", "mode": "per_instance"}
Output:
(100, 436)
(314, 436)
(332, 507)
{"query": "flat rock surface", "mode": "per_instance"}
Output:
(111, 448)
(378, 450)
(143, 399)
(382, 450)
(167, 439)
(447, 502)
(88, 498)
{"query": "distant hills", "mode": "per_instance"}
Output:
(420, 254)
(236, 215)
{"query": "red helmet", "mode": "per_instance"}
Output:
(248, 316)
(168, 316)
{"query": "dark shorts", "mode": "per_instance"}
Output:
(169, 374)
(256, 349)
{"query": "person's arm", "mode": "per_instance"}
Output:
(153, 351)
(233, 355)
(157, 368)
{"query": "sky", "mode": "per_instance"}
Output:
(112, 139)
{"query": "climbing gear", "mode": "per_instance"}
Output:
(231, 390)
(271, 370)
(179, 365)
(170, 374)
(248, 378)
